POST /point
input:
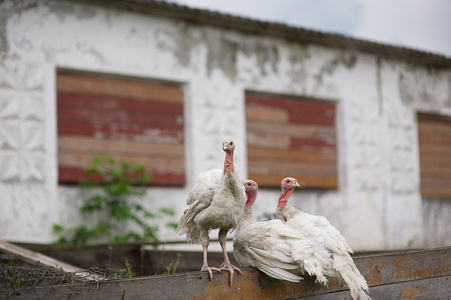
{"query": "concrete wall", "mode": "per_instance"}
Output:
(378, 204)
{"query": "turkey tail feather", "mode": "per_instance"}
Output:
(351, 275)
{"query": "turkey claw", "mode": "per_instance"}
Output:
(210, 271)
(231, 268)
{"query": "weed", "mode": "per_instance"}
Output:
(125, 273)
(116, 186)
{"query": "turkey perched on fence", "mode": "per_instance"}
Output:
(272, 247)
(328, 242)
(216, 201)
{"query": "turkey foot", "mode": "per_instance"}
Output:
(226, 265)
(231, 268)
(210, 270)
(205, 266)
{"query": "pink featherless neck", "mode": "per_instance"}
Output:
(228, 162)
(250, 199)
(284, 197)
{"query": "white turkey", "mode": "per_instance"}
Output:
(272, 247)
(328, 242)
(216, 201)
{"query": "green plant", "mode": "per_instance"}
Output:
(171, 268)
(115, 187)
(125, 273)
(16, 283)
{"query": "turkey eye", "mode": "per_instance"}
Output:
(288, 181)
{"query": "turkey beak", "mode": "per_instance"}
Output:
(296, 184)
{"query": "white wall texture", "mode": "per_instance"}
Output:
(378, 204)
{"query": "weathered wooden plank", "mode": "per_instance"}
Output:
(325, 119)
(435, 192)
(74, 159)
(76, 174)
(425, 160)
(123, 104)
(438, 125)
(434, 134)
(310, 126)
(132, 132)
(434, 138)
(292, 130)
(153, 261)
(436, 180)
(436, 175)
(33, 257)
(293, 104)
(434, 149)
(308, 180)
(121, 113)
(417, 274)
(266, 114)
(439, 162)
(433, 119)
(298, 166)
(430, 288)
(92, 84)
(291, 154)
(120, 117)
(83, 144)
(313, 143)
(264, 140)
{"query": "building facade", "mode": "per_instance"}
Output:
(366, 126)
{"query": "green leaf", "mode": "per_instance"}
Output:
(117, 175)
(145, 179)
(92, 170)
(89, 183)
(81, 235)
(167, 211)
(172, 225)
(93, 203)
(121, 212)
(62, 240)
(118, 189)
(58, 228)
(148, 214)
(100, 229)
(110, 159)
(96, 160)
(124, 167)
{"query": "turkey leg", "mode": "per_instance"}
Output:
(205, 266)
(226, 265)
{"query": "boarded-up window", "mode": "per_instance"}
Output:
(434, 135)
(289, 136)
(134, 120)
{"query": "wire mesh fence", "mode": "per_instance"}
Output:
(15, 278)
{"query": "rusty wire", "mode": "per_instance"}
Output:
(14, 278)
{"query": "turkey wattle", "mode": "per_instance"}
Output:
(216, 201)
(328, 243)
(272, 247)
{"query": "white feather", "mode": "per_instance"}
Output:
(212, 203)
(274, 249)
(331, 247)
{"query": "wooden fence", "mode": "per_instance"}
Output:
(423, 274)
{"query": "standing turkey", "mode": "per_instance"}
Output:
(216, 201)
(272, 247)
(328, 242)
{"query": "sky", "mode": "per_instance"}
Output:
(418, 24)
